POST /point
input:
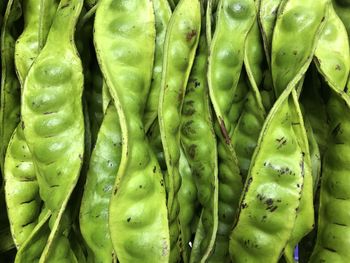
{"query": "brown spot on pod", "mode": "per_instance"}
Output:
(224, 131)
(191, 34)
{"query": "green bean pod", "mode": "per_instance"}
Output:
(286, 48)
(33, 246)
(333, 231)
(179, 51)
(230, 189)
(124, 41)
(48, 125)
(103, 167)
(199, 144)
(162, 13)
(342, 7)
(10, 86)
(271, 195)
(187, 197)
(226, 58)
(268, 10)
(334, 64)
(247, 131)
(21, 188)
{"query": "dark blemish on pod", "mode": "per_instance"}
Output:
(22, 125)
(65, 6)
(339, 224)
(330, 249)
(295, 123)
(197, 84)
(128, 220)
(224, 131)
(140, 186)
(188, 108)
(191, 34)
(54, 186)
(244, 205)
(154, 169)
(295, 52)
(346, 89)
(115, 191)
(187, 128)
(192, 151)
(336, 130)
(269, 201)
(180, 96)
(337, 67)
(162, 182)
(263, 218)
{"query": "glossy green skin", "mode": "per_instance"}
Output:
(247, 131)
(297, 29)
(342, 7)
(199, 143)
(267, 15)
(21, 188)
(162, 13)
(122, 27)
(271, 195)
(10, 87)
(187, 197)
(230, 189)
(27, 44)
(226, 58)
(334, 64)
(104, 164)
(155, 142)
(33, 247)
(179, 51)
(268, 10)
(333, 232)
(48, 124)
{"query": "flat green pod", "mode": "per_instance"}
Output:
(298, 27)
(334, 63)
(21, 188)
(10, 86)
(124, 39)
(342, 7)
(34, 245)
(226, 57)
(199, 144)
(103, 167)
(268, 10)
(253, 114)
(273, 188)
(162, 14)
(333, 231)
(179, 52)
(52, 90)
(230, 189)
(187, 197)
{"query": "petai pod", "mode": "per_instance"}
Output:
(10, 86)
(162, 13)
(100, 179)
(199, 144)
(124, 36)
(52, 90)
(21, 187)
(179, 51)
(226, 58)
(333, 232)
(187, 197)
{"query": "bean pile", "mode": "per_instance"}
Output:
(189, 131)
